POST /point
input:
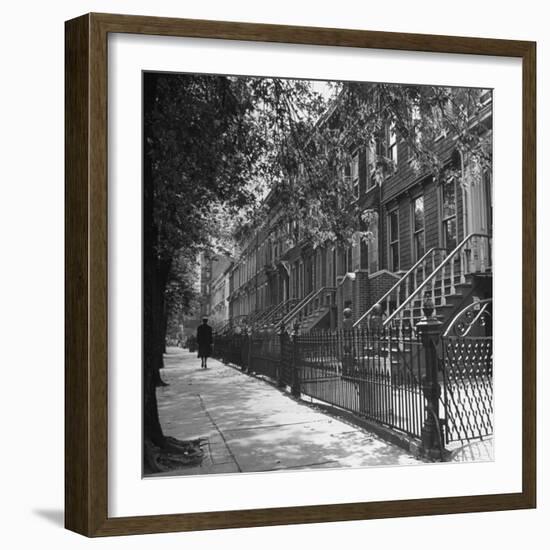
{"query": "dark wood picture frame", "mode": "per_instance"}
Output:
(86, 421)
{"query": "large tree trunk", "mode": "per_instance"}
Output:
(158, 337)
(165, 325)
(152, 429)
(160, 453)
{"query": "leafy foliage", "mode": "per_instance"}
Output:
(220, 145)
(181, 296)
(203, 146)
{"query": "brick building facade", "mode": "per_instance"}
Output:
(410, 214)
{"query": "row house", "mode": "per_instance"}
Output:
(430, 238)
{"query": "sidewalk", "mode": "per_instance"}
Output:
(251, 426)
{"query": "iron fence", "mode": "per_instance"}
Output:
(265, 354)
(467, 387)
(393, 376)
(231, 348)
(375, 375)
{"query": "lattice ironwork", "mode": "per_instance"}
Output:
(468, 387)
(474, 320)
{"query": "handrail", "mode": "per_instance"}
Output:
(296, 307)
(238, 319)
(432, 275)
(396, 285)
(222, 326)
(305, 302)
(260, 314)
(272, 311)
(276, 310)
(252, 317)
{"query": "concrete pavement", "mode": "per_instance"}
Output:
(248, 425)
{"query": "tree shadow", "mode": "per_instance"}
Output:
(267, 429)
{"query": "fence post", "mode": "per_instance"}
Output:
(429, 328)
(348, 359)
(283, 335)
(295, 365)
(249, 339)
(240, 342)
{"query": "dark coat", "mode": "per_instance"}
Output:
(204, 340)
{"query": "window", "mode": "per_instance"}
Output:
(348, 259)
(356, 246)
(448, 214)
(393, 233)
(419, 247)
(385, 146)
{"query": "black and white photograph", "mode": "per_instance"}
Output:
(249, 286)
(317, 274)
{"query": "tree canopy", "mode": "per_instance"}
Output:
(218, 144)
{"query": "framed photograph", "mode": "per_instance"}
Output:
(300, 275)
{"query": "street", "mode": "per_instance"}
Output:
(250, 426)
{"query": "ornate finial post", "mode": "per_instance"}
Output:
(347, 327)
(375, 328)
(428, 306)
(248, 339)
(429, 329)
(296, 328)
(295, 385)
(283, 343)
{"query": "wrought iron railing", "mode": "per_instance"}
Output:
(313, 302)
(406, 284)
(467, 387)
(265, 354)
(279, 311)
(231, 348)
(376, 375)
(297, 305)
(258, 316)
(472, 255)
(221, 326)
(467, 367)
(390, 376)
(373, 374)
(474, 318)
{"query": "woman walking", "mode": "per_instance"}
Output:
(204, 341)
